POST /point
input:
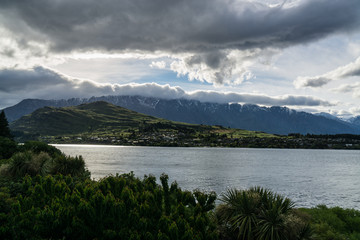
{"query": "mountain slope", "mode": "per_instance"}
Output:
(96, 116)
(355, 121)
(28, 106)
(279, 120)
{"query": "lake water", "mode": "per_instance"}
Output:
(308, 177)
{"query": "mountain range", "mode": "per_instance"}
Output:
(277, 120)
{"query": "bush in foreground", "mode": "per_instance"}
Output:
(258, 213)
(38, 147)
(37, 201)
(37, 158)
(116, 207)
(29, 163)
(335, 223)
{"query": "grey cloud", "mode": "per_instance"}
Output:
(218, 67)
(48, 84)
(346, 88)
(353, 73)
(211, 59)
(45, 82)
(8, 52)
(350, 70)
(13, 80)
(215, 65)
(182, 26)
(317, 81)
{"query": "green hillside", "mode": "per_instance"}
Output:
(92, 117)
(100, 120)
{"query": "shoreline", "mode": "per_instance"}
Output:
(194, 146)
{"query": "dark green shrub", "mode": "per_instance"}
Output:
(38, 147)
(6, 203)
(66, 165)
(27, 163)
(258, 213)
(7, 148)
(116, 207)
(335, 223)
(38, 158)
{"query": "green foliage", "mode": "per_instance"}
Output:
(66, 165)
(29, 163)
(57, 200)
(6, 202)
(38, 147)
(258, 213)
(335, 223)
(116, 207)
(4, 126)
(7, 148)
(37, 158)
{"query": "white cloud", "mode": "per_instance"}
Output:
(45, 83)
(261, 99)
(108, 70)
(355, 110)
(158, 64)
(218, 67)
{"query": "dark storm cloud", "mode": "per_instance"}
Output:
(182, 25)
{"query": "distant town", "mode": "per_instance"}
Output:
(172, 139)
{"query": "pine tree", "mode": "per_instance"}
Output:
(4, 126)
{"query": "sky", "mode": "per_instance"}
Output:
(302, 54)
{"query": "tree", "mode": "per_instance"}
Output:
(4, 126)
(7, 148)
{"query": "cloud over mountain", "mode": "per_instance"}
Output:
(45, 83)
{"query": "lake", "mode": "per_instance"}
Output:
(308, 177)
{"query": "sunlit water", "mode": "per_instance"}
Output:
(309, 177)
